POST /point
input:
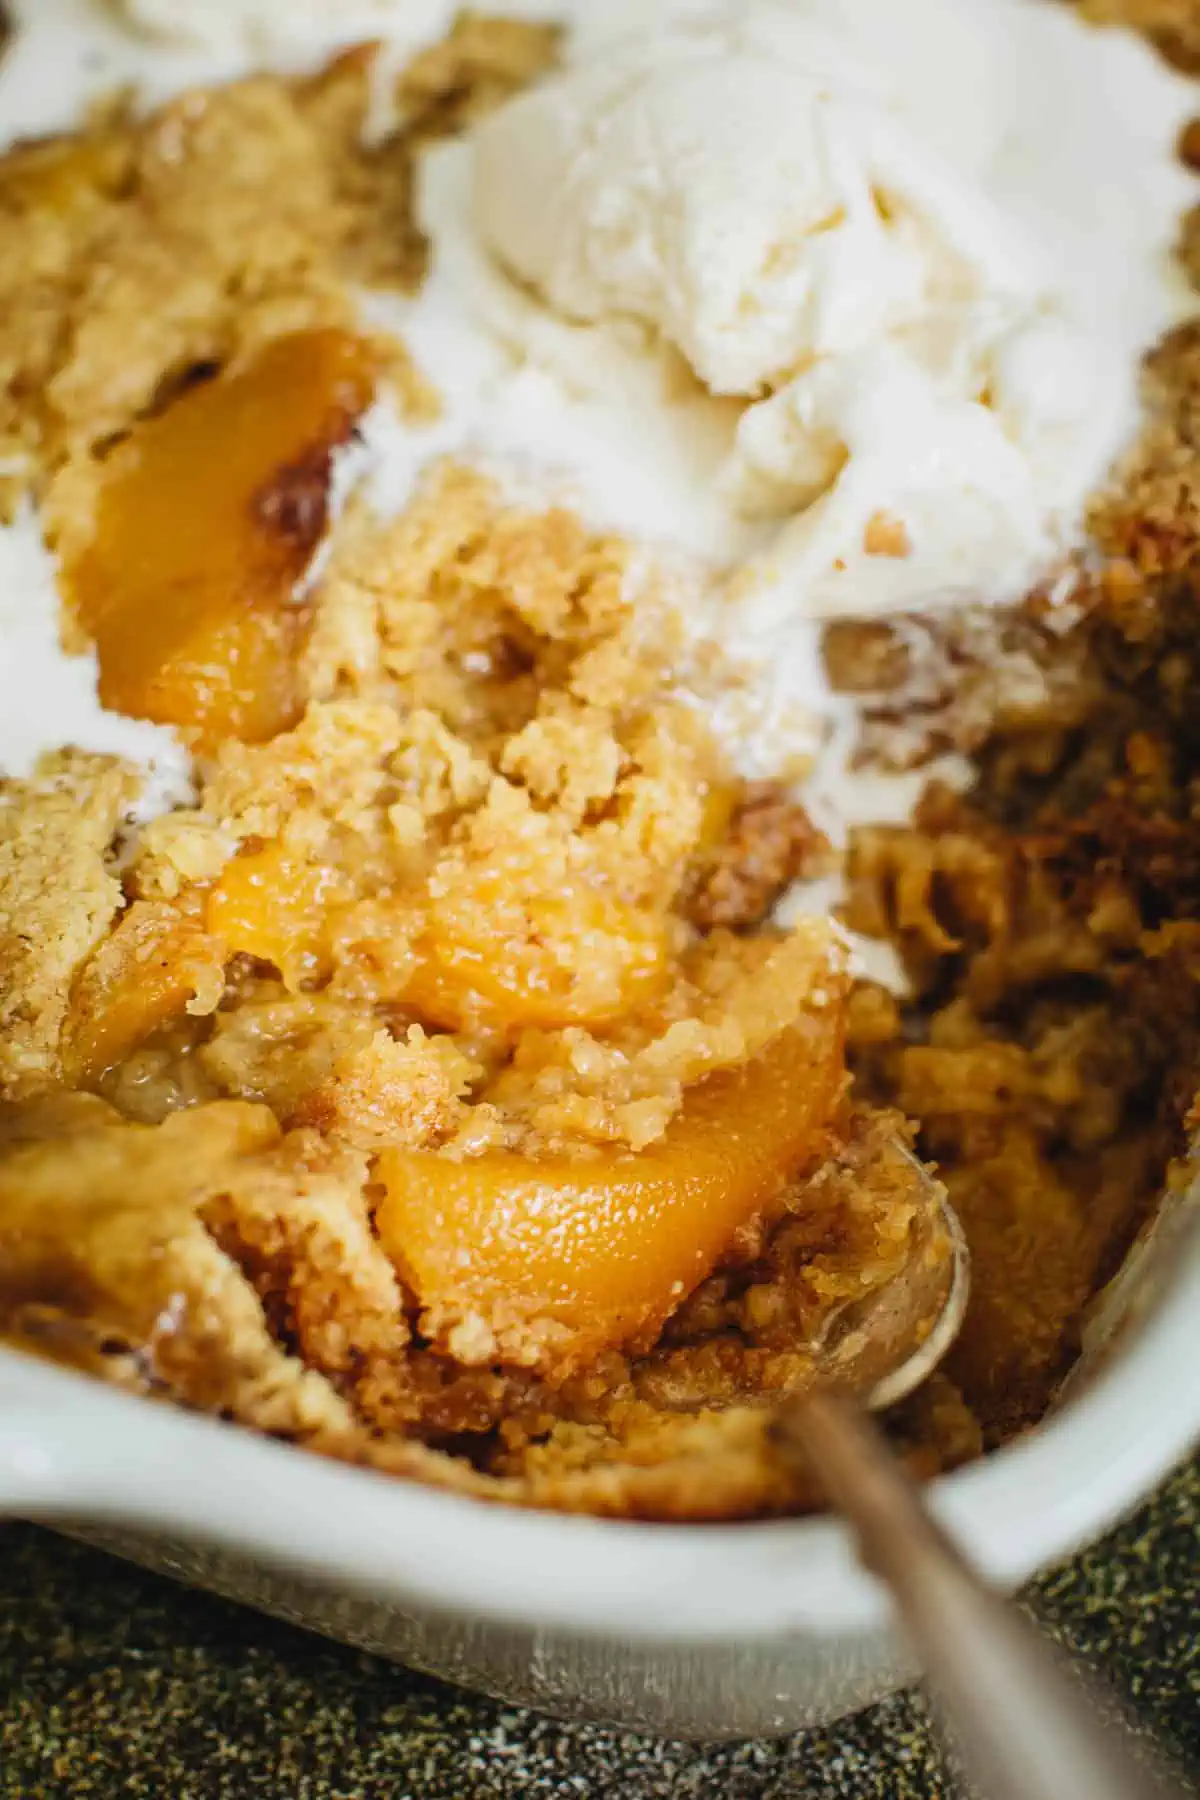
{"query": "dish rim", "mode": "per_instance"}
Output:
(1018, 1510)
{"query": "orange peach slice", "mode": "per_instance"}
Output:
(141, 979)
(207, 517)
(561, 1258)
(274, 905)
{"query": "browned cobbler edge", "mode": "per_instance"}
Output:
(208, 1034)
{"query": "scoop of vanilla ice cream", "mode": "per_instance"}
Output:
(832, 209)
(717, 183)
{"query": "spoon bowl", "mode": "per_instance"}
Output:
(1025, 1726)
(882, 1348)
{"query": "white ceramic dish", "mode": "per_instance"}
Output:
(702, 1631)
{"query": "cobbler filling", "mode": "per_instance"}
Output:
(433, 1084)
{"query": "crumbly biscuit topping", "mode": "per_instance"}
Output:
(488, 918)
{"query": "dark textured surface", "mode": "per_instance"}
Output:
(116, 1683)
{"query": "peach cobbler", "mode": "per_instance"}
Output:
(577, 680)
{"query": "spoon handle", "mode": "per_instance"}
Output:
(1023, 1723)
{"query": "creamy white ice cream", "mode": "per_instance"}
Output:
(923, 242)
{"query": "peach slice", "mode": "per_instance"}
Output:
(140, 979)
(207, 517)
(578, 956)
(275, 906)
(561, 1258)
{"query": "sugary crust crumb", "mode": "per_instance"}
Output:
(492, 756)
(149, 249)
(59, 895)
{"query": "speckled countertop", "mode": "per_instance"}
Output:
(115, 1683)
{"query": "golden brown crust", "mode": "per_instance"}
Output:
(468, 797)
(1148, 525)
(99, 1228)
(481, 694)
(1052, 1046)
(770, 842)
(58, 897)
(147, 250)
(486, 698)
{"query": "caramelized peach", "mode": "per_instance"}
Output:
(140, 979)
(576, 957)
(561, 1258)
(273, 905)
(207, 517)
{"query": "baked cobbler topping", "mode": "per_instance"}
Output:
(433, 1024)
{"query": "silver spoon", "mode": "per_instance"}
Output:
(1024, 1723)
